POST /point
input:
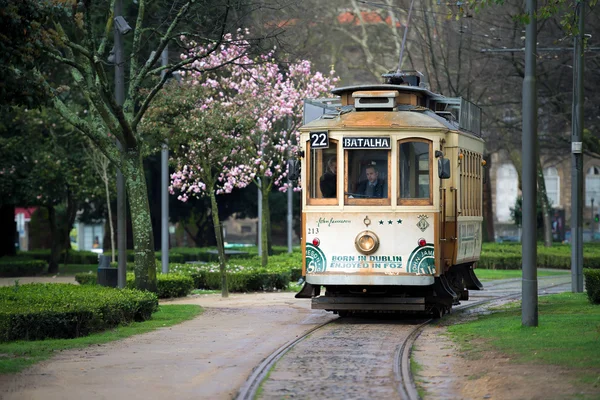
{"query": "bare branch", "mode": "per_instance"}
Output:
(136, 77)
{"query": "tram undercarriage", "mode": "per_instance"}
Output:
(436, 299)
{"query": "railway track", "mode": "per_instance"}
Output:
(350, 357)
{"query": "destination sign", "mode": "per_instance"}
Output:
(366, 143)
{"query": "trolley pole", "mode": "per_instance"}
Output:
(529, 173)
(577, 158)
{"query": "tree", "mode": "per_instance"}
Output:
(261, 90)
(207, 133)
(67, 33)
(103, 170)
(43, 163)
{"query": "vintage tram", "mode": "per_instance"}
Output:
(392, 179)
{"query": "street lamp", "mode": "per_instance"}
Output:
(592, 224)
(121, 28)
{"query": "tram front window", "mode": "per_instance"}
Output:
(415, 168)
(323, 172)
(367, 174)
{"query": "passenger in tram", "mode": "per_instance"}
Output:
(328, 181)
(373, 186)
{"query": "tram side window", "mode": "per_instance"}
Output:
(367, 174)
(323, 172)
(415, 165)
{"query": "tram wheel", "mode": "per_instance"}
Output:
(437, 312)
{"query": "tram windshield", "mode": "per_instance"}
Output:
(367, 174)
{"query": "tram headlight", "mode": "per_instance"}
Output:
(366, 242)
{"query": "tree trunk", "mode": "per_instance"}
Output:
(8, 231)
(65, 230)
(56, 242)
(265, 221)
(488, 212)
(542, 195)
(220, 243)
(267, 224)
(110, 221)
(143, 241)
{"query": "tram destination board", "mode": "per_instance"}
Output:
(365, 142)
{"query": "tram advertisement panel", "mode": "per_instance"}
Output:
(370, 243)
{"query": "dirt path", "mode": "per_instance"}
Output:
(208, 357)
(33, 279)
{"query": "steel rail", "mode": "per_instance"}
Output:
(406, 386)
(249, 388)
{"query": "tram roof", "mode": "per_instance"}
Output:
(434, 111)
(349, 118)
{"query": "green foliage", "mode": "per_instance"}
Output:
(508, 256)
(86, 278)
(21, 354)
(75, 257)
(40, 311)
(168, 285)
(592, 284)
(13, 266)
(21, 48)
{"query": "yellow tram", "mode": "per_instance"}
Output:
(392, 180)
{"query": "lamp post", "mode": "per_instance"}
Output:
(592, 223)
(121, 28)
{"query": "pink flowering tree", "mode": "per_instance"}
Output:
(274, 98)
(270, 95)
(203, 135)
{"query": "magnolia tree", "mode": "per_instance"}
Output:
(271, 96)
(204, 135)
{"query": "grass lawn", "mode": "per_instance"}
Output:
(568, 334)
(72, 269)
(16, 356)
(205, 291)
(489, 274)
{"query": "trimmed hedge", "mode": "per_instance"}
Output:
(167, 285)
(85, 278)
(40, 311)
(239, 278)
(12, 266)
(592, 284)
(75, 256)
(508, 256)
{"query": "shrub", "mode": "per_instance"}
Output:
(592, 284)
(86, 278)
(167, 285)
(40, 311)
(75, 257)
(239, 278)
(15, 266)
(508, 256)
